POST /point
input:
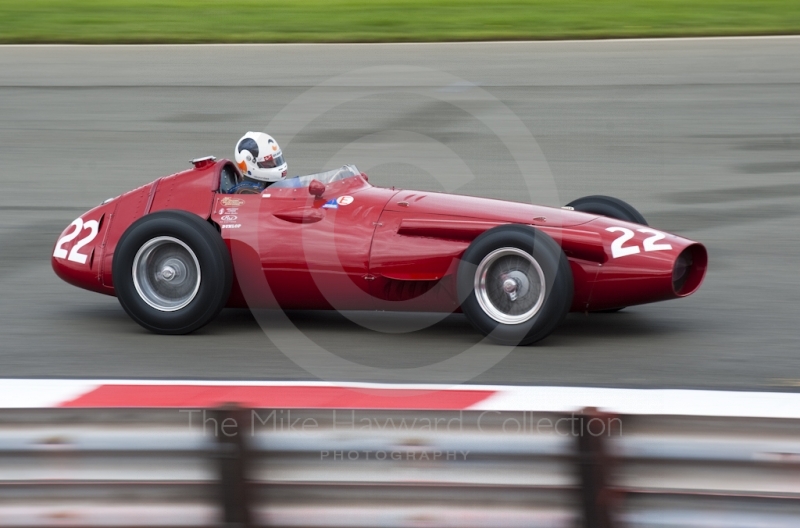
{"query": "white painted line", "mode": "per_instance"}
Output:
(646, 401)
(48, 393)
(39, 393)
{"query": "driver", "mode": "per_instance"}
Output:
(261, 161)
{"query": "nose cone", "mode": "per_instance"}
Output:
(689, 270)
(77, 254)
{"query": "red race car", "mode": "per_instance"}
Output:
(178, 250)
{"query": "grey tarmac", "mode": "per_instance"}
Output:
(701, 135)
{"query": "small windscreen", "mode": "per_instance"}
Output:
(348, 171)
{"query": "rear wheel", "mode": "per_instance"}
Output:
(515, 284)
(172, 272)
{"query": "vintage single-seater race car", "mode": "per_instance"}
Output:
(178, 250)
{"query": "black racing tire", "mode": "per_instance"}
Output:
(523, 255)
(172, 272)
(608, 206)
(612, 208)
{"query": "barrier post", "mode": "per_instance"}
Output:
(231, 430)
(594, 466)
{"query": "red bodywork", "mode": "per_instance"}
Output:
(382, 249)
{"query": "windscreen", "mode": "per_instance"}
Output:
(347, 171)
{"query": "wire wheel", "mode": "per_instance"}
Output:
(166, 273)
(515, 284)
(510, 286)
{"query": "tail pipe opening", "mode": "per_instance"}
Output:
(689, 270)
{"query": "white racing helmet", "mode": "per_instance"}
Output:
(260, 158)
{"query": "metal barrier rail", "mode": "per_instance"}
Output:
(324, 468)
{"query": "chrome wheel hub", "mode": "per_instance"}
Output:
(515, 284)
(166, 274)
(509, 285)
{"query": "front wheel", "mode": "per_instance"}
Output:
(172, 272)
(608, 206)
(515, 284)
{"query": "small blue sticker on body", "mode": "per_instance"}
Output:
(331, 204)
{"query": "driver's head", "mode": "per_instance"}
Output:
(260, 158)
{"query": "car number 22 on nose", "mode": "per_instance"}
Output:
(75, 255)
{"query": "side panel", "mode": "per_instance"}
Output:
(129, 208)
(485, 209)
(584, 273)
(238, 219)
(414, 272)
(422, 235)
(399, 256)
(317, 252)
(191, 191)
(415, 259)
(313, 253)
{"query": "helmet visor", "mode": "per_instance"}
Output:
(271, 162)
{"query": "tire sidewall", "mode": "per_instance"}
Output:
(558, 283)
(215, 271)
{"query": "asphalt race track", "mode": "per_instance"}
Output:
(703, 136)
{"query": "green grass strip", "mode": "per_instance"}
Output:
(185, 21)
